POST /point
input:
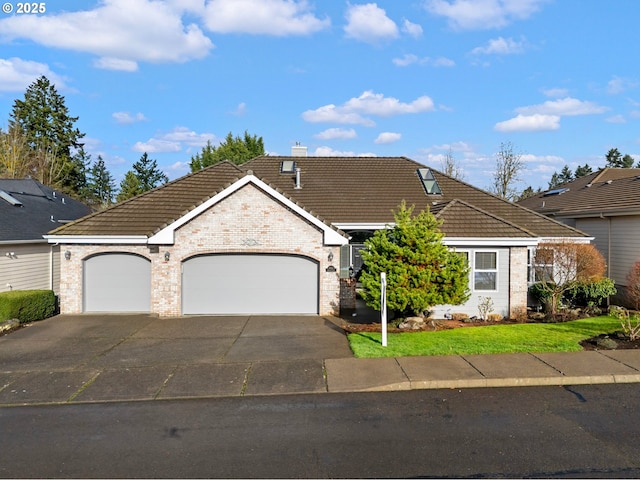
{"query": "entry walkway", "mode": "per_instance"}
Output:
(91, 358)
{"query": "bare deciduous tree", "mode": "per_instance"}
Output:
(451, 167)
(509, 166)
(13, 154)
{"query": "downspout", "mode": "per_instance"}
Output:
(51, 265)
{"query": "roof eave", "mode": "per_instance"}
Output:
(98, 239)
(490, 241)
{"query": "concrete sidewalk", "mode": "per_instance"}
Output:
(71, 359)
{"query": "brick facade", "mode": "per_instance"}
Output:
(249, 221)
(518, 285)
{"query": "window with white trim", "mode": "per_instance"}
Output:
(485, 271)
(540, 265)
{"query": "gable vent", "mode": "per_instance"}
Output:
(11, 199)
(429, 182)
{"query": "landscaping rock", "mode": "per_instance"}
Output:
(9, 325)
(606, 343)
(412, 323)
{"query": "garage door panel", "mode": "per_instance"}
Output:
(249, 284)
(117, 283)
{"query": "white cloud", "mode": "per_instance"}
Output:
(410, 59)
(330, 152)
(18, 74)
(332, 114)
(387, 137)
(406, 60)
(616, 119)
(174, 141)
(412, 29)
(126, 118)
(482, 14)
(555, 92)
(120, 32)
(240, 110)
(354, 110)
(442, 62)
(177, 169)
(109, 63)
(263, 17)
(564, 107)
(529, 123)
(336, 134)
(500, 46)
(369, 23)
(618, 85)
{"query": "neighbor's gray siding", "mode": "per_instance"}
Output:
(618, 239)
(32, 266)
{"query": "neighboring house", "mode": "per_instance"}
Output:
(605, 205)
(272, 236)
(28, 210)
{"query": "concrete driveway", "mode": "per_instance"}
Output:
(118, 357)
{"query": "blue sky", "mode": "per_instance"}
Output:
(558, 79)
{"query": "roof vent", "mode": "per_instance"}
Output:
(429, 182)
(298, 150)
(609, 182)
(298, 181)
(11, 199)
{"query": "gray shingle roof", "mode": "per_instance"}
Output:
(610, 190)
(39, 210)
(338, 190)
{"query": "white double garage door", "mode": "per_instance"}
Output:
(211, 284)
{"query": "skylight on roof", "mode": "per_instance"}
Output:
(557, 191)
(12, 200)
(429, 182)
(288, 166)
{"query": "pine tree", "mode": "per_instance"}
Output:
(421, 271)
(129, 187)
(583, 171)
(144, 176)
(148, 173)
(100, 184)
(50, 136)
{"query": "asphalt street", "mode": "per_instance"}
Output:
(543, 432)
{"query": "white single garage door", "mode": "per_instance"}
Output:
(117, 282)
(249, 284)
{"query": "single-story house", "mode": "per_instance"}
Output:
(272, 236)
(28, 210)
(605, 205)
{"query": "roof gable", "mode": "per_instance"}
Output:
(167, 234)
(459, 218)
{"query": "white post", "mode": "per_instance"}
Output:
(383, 306)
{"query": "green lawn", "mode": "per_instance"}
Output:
(526, 337)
